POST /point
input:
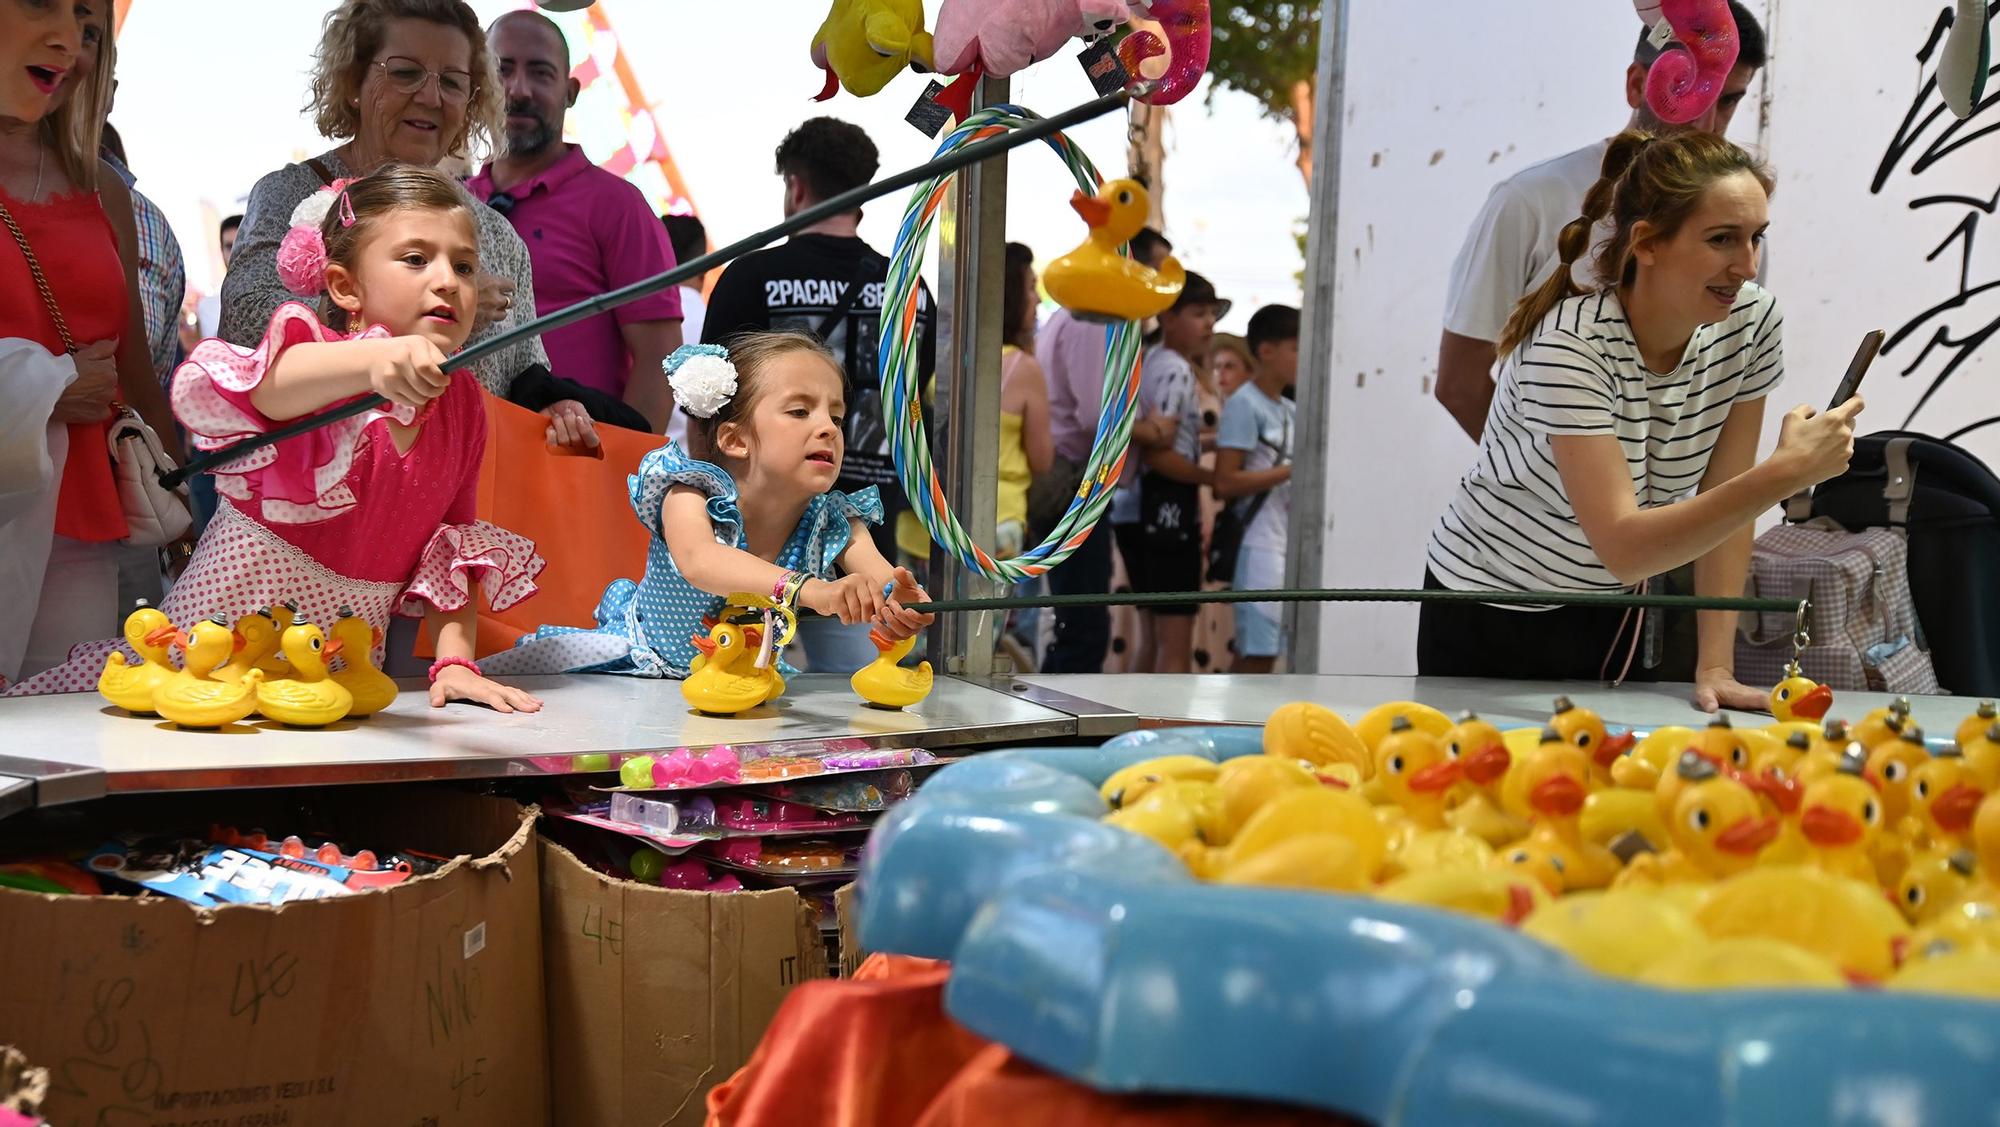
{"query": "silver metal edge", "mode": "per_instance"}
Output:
(1093, 720)
(1310, 520)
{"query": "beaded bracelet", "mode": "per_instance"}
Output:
(444, 663)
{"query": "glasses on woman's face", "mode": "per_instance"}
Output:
(407, 76)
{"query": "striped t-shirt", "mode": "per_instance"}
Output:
(1510, 526)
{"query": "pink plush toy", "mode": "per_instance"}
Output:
(1186, 24)
(976, 38)
(1685, 81)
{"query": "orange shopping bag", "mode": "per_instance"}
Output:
(576, 511)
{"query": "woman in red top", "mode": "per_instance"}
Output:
(60, 575)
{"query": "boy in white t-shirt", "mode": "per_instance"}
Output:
(1253, 469)
(1512, 245)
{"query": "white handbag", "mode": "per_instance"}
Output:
(154, 514)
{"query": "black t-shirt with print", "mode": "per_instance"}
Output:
(799, 285)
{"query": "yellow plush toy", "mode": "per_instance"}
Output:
(865, 43)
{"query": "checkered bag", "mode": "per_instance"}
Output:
(1863, 622)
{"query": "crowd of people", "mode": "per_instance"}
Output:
(1618, 275)
(404, 91)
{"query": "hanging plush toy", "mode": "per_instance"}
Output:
(1684, 82)
(978, 38)
(865, 43)
(1968, 55)
(1185, 23)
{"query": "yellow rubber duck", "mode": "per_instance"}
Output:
(1314, 812)
(1782, 757)
(1828, 746)
(862, 44)
(1652, 757)
(1717, 829)
(1534, 860)
(129, 686)
(1848, 922)
(1129, 784)
(1893, 762)
(282, 616)
(1944, 796)
(1978, 724)
(1498, 894)
(1251, 782)
(1555, 777)
(1745, 962)
(1098, 283)
(307, 699)
(259, 632)
(1841, 818)
(1982, 754)
(1303, 730)
(1724, 745)
(1933, 884)
(192, 698)
(1617, 932)
(884, 682)
(1799, 697)
(372, 689)
(1883, 724)
(1585, 731)
(1483, 760)
(1986, 848)
(723, 680)
(1415, 774)
(1375, 723)
(1962, 973)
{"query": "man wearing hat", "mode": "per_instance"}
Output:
(1161, 541)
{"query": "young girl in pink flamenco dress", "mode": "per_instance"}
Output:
(376, 512)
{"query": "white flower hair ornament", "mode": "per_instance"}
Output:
(703, 379)
(302, 254)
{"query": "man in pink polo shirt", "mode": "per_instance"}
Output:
(588, 231)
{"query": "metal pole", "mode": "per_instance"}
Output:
(1311, 523)
(971, 283)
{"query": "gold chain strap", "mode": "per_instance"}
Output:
(41, 282)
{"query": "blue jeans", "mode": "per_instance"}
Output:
(833, 648)
(1083, 634)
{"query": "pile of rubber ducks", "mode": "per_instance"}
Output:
(271, 663)
(1803, 853)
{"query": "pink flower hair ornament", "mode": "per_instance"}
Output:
(302, 253)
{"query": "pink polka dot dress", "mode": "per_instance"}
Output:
(335, 517)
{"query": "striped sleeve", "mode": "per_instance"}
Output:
(1565, 386)
(1766, 369)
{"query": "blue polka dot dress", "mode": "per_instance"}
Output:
(643, 628)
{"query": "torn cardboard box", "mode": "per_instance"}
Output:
(657, 995)
(417, 1004)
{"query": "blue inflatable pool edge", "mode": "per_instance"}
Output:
(1092, 952)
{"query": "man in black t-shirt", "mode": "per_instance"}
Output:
(827, 282)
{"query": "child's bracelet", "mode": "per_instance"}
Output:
(444, 663)
(795, 582)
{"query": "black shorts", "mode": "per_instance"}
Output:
(1163, 551)
(1563, 644)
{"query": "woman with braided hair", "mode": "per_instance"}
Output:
(1622, 441)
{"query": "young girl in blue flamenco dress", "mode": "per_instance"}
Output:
(762, 518)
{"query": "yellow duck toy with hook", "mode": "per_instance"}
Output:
(372, 689)
(1095, 281)
(260, 635)
(737, 668)
(884, 683)
(129, 686)
(307, 699)
(193, 698)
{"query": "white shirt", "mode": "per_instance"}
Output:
(1263, 429)
(1510, 526)
(1511, 248)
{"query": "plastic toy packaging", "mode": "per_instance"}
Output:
(779, 767)
(788, 858)
(767, 815)
(685, 873)
(871, 759)
(211, 875)
(719, 766)
(52, 876)
(664, 815)
(849, 795)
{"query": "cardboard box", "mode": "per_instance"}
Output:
(657, 995)
(418, 1004)
(847, 910)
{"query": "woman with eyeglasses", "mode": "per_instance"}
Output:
(408, 81)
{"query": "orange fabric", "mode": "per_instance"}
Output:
(576, 511)
(878, 1050)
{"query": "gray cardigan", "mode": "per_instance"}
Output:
(251, 292)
